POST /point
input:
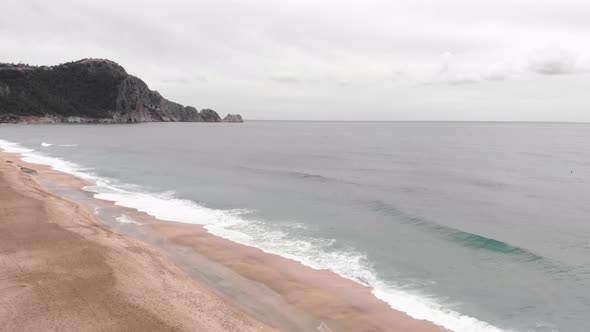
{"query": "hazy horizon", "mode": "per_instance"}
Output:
(525, 61)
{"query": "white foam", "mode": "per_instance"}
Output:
(68, 145)
(317, 253)
(313, 252)
(126, 220)
(323, 327)
(31, 156)
(43, 144)
(162, 206)
(13, 147)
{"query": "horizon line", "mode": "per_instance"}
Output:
(447, 121)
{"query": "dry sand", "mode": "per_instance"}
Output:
(61, 271)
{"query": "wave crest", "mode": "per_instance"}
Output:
(317, 253)
(452, 234)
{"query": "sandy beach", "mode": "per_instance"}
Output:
(340, 303)
(62, 269)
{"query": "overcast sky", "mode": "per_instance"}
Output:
(331, 59)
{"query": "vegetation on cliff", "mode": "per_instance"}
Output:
(89, 90)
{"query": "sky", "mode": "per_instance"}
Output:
(485, 60)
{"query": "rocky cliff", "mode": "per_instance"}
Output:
(233, 118)
(89, 91)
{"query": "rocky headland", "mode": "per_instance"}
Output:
(88, 91)
(233, 118)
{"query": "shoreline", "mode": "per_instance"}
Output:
(62, 270)
(331, 301)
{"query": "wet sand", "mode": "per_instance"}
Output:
(331, 302)
(61, 271)
(337, 303)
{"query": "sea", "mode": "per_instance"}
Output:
(473, 226)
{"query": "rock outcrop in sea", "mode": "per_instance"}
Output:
(233, 118)
(87, 91)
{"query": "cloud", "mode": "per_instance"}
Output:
(176, 80)
(460, 70)
(252, 53)
(552, 61)
(285, 78)
(503, 66)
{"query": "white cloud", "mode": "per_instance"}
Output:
(285, 78)
(552, 61)
(328, 59)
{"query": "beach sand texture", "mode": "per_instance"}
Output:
(61, 271)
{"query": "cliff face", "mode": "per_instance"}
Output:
(90, 90)
(233, 118)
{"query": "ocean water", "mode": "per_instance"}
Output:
(474, 226)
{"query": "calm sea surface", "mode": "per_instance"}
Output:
(475, 226)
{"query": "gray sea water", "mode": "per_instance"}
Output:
(475, 226)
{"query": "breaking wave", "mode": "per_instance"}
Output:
(235, 225)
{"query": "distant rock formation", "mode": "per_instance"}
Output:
(233, 118)
(208, 115)
(86, 91)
